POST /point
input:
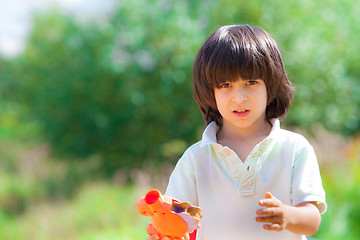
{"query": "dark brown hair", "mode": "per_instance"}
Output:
(240, 52)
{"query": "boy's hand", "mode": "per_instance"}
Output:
(153, 237)
(274, 213)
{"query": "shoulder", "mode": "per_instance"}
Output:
(294, 144)
(195, 150)
(287, 137)
(297, 146)
(195, 155)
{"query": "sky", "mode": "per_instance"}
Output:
(16, 18)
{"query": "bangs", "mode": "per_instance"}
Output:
(233, 57)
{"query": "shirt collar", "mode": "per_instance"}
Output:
(209, 135)
(275, 127)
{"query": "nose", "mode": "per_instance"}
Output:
(239, 96)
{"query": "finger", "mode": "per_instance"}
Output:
(269, 198)
(268, 219)
(273, 227)
(268, 195)
(269, 202)
(270, 211)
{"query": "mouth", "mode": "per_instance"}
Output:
(241, 113)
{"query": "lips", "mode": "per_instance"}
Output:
(241, 113)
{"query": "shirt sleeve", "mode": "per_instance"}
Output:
(306, 179)
(182, 184)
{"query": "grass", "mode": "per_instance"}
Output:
(342, 219)
(99, 210)
(43, 198)
(103, 210)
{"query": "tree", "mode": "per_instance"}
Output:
(123, 90)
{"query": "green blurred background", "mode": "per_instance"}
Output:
(94, 113)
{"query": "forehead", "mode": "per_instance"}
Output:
(232, 71)
(233, 56)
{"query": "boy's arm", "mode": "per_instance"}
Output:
(303, 218)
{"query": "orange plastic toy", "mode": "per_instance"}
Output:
(170, 218)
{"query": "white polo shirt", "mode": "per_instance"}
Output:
(227, 190)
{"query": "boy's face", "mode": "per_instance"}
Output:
(242, 104)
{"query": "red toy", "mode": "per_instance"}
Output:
(170, 218)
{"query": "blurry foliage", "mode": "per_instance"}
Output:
(101, 210)
(342, 219)
(122, 91)
(29, 175)
(98, 211)
(319, 44)
(119, 95)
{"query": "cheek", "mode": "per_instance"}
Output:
(217, 99)
(220, 100)
(214, 102)
(264, 96)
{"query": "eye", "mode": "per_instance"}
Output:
(225, 85)
(251, 82)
